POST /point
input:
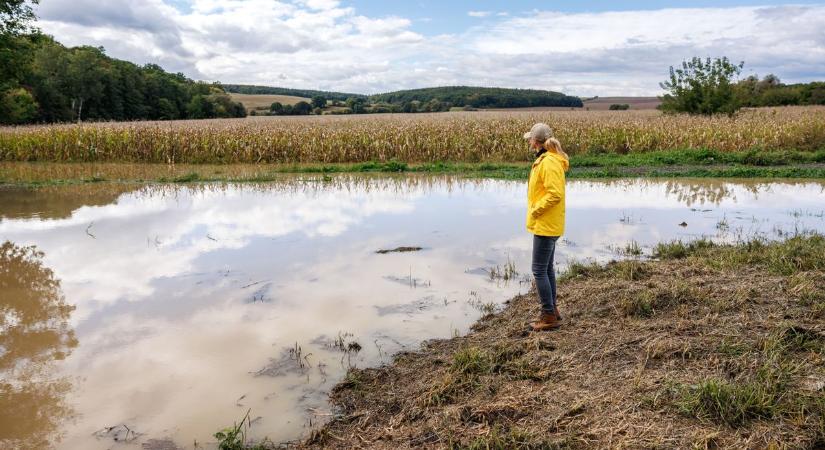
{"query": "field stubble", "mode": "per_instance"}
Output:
(414, 138)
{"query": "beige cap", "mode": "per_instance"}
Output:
(540, 132)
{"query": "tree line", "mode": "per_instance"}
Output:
(479, 97)
(355, 105)
(415, 100)
(306, 93)
(43, 81)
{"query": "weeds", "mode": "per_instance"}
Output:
(341, 344)
(632, 249)
(506, 273)
(234, 437)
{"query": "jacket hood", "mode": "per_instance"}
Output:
(565, 163)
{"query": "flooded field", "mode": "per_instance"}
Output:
(161, 313)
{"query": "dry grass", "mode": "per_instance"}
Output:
(452, 137)
(723, 355)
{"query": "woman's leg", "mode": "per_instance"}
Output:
(551, 271)
(543, 249)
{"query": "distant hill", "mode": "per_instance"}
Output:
(480, 97)
(305, 93)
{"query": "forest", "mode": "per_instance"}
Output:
(43, 81)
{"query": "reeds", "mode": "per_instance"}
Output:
(456, 137)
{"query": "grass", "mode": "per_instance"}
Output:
(762, 137)
(472, 364)
(582, 269)
(701, 157)
(794, 255)
(234, 437)
(632, 248)
(52, 174)
(763, 395)
(678, 249)
(731, 403)
(499, 439)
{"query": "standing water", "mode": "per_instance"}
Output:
(164, 313)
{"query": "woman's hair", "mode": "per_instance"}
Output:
(552, 144)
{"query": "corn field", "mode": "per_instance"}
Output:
(458, 137)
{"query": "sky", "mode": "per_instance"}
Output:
(583, 48)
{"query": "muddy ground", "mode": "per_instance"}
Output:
(708, 347)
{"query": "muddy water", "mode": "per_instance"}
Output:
(167, 312)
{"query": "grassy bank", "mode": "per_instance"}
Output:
(480, 137)
(709, 346)
(678, 163)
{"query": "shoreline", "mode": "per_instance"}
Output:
(38, 174)
(733, 358)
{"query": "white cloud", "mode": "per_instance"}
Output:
(322, 44)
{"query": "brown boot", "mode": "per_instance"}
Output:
(546, 322)
(557, 313)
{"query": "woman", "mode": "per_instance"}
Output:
(545, 218)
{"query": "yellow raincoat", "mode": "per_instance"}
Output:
(545, 195)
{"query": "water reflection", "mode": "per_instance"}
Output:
(56, 202)
(211, 299)
(34, 333)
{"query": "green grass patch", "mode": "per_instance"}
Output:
(796, 254)
(470, 366)
(582, 269)
(471, 361)
(677, 249)
(730, 403)
(766, 393)
(702, 156)
(187, 178)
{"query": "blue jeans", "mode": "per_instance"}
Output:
(543, 249)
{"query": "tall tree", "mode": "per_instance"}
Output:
(16, 16)
(702, 87)
(319, 101)
(85, 77)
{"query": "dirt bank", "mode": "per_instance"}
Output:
(709, 347)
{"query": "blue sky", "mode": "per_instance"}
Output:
(446, 16)
(581, 48)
